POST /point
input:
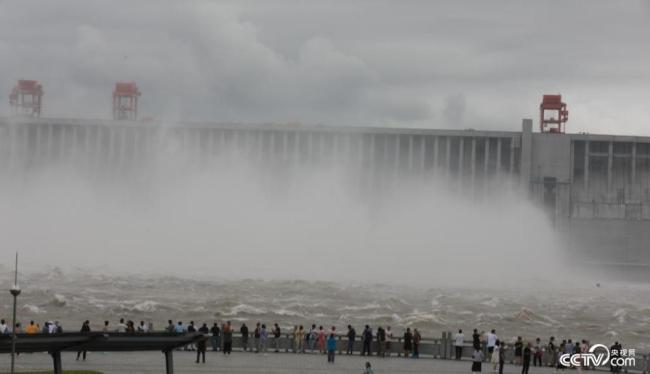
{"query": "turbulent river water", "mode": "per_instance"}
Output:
(600, 314)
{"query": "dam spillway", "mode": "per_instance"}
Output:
(595, 188)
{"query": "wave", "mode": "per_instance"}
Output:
(58, 300)
(33, 309)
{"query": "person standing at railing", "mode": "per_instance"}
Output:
(583, 348)
(244, 336)
(367, 341)
(85, 328)
(142, 327)
(381, 341)
(476, 340)
(31, 328)
(560, 351)
(191, 329)
(264, 336)
(551, 348)
(216, 337)
(408, 343)
(306, 342)
(313, 335)
(352, 335)
(519, 350)
(56, 328)
(121, 327)
(257, 335)
(459, 342)
(276, 337)
(491, 341)
(227, 331)
(389, 341)
(417, 338)
(538, 352)
(299, 338)
(322, 337)
(130, 327)
(331, 348)
(202, 345)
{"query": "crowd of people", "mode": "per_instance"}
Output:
(486, 346)
(490, 347)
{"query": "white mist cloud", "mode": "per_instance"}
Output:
(237, 218)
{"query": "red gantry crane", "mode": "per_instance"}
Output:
(555, 122)
(125, 101)
(26, 98)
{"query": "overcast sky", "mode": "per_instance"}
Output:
(440, 64)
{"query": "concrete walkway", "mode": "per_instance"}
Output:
(152, 362)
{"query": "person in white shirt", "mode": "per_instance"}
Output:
(495, 356)
(491, 340)
(121, 327)
(4, 329)
(389, 340)
(142, 327)
(459, 342)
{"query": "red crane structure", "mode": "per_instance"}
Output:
(26, 98)
(555, 123)
(125, 101)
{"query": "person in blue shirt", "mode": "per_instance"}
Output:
(180, 329)
(331, 348)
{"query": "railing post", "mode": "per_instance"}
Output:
(56, 360)
(169, 362)
(289, 342)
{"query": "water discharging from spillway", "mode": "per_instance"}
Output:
(248, 214)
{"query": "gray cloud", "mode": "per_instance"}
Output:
(351, 63)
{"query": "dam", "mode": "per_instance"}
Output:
(594, 188)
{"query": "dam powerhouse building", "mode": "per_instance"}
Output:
(594, 188)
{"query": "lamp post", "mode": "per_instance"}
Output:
(15, 291)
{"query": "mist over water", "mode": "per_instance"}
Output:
(233, 216)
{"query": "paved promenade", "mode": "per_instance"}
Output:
(152, 362)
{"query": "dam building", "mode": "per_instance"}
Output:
(595, 188)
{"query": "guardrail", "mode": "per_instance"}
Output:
(436, 348)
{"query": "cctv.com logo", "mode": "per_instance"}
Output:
(599, 355)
